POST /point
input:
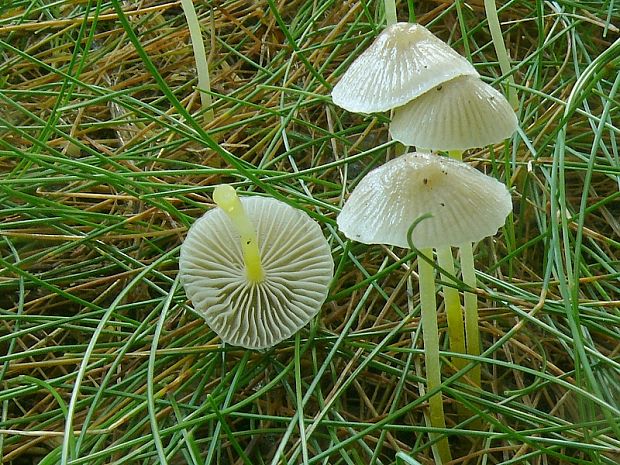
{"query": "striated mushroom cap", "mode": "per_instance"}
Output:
(405, 61)
(466, 205)
(298, 268)
(456, 115)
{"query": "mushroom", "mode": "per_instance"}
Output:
(459, 114)
(455, 114)
(462, 204)
(405, 61)
(255, 268)
(466, 205)
(402, 70)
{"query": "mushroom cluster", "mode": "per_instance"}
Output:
(438, 103)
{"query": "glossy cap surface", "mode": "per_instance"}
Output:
(457, 115)
(466, 205)
(405, 61)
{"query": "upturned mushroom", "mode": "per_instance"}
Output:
(255, 268)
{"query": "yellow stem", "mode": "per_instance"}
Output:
(472, 331)
(226, 198)
(452, 303)
(456, 154)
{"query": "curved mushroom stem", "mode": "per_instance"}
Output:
(226, 198)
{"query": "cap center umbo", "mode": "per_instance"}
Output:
(433, 177)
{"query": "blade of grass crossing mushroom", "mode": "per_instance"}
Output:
(430, 332)
(202, 66)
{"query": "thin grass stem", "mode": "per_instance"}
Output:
(200, 55)
(500, 49)
(390, 12)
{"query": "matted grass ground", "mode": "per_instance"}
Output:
(102, 173)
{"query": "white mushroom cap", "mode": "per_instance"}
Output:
(298, 268)
(457, 115)
(403, 62)
(465, 204)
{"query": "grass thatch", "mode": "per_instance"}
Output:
(102, 171)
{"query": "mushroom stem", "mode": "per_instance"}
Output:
(500, 49)
(472, 332)
(390, 12)
(226, 198)
(454, 312)
(430, 333)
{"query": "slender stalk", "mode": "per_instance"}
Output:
(390, 12)
(500, 49)
(226, 198)
(454, 312)
(200, 55)
(472, 332)
(430, 332)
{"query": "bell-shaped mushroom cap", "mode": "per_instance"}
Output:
(296, 260)
(457, 115)
(403, 62)
(465, 204)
